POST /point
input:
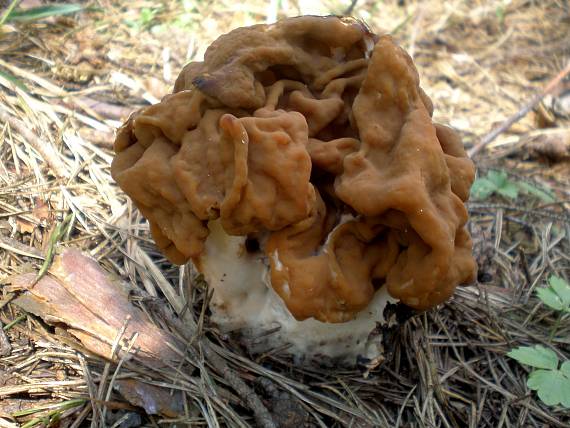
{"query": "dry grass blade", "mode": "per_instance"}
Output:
(45, 149)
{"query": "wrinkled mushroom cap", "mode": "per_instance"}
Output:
(313, 138)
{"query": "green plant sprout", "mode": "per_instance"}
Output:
(556, 295)
(146, 19)
(550, 379)
(497, 182)
(188, 17)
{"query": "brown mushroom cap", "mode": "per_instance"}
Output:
(316, 133)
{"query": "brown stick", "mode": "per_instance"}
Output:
(262, 416)
(490, 137)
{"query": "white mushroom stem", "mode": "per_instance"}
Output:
(244, 300)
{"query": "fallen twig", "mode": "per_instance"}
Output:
(17, 247)
(262, 415)
(490, 137)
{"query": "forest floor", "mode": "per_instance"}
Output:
(70, 76)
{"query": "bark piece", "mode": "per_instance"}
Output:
(80, 295)
(154, 400)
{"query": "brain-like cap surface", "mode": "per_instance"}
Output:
(315, 134)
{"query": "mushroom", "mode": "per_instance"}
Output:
(299, 169)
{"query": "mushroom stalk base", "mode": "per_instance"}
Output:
(244, 301)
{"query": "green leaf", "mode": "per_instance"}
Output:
(542, 194)
(565, 368)
(510, 190)
(550, 298)
(483, 188)
(147, 15)
(495, 182)
(500, 12)
(551, 385)
(41, 12)
(536, 356)
(557, 295)
(8, 11)
(561, 288)
(498, 178)
(565, 398)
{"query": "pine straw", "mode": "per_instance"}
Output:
(480, 61)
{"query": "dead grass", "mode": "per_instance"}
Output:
(79, 76)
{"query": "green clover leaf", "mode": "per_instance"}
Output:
(536, 356)
(556, 295)
(499, 183)
(552, 386)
